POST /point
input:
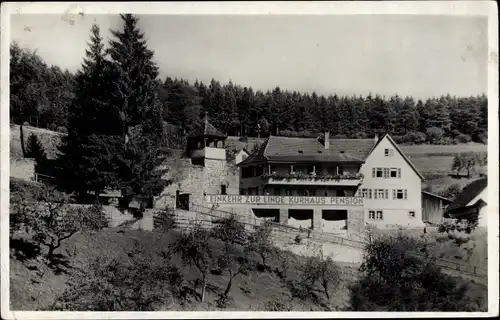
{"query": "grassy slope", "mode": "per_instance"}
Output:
(26, 294)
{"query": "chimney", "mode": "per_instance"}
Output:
(327, 140)
(375, 139)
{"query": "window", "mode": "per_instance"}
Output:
(326, 193)
(242, 192)
(388, 152)
(364, 193)
(340, 193)
(288, 192)
(380, 193)
(399, 194)
(395, 173)
(223, 189)
(243, 157)
(386, 173)
(340, 170)
(276, 191)
(369, 193)
(376, 215)
(378, 172)
(411, 214)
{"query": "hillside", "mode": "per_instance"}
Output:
(29, 291)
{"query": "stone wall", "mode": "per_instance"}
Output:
(196, 180)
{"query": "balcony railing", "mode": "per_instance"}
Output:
(308, 176)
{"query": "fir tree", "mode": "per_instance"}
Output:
(136, 92)
(87, 154)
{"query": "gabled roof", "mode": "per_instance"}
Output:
(468, 193)
(437, 196)
(207, 129)
(291, 149)
(400, 152)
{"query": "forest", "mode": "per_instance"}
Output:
(40, 95)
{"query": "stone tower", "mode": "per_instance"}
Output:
(204, 170)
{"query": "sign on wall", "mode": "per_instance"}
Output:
(282, 200)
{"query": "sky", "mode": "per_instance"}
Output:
(417, 55)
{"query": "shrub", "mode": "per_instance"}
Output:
(62, 129)
(164, 220)
(277, 304)
(136, 282)
(298, 239)
(230, 230)
(463, 138)
(260, 242)
(434, 134)
(361, 135)
(34, 148)
(395, 279)
(452, 191)
(414, 137)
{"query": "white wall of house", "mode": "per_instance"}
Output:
(394, 211)
(240, 156)
(483, 212)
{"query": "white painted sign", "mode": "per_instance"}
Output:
(284, 200)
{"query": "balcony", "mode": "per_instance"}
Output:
(346, 179)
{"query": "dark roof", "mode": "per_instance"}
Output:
(291, 149)
(207, 129)
(468, 193)
(437, 196)
(400, 152)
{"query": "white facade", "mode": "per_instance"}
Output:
(242, 155)
(391, 188)
(483, 211)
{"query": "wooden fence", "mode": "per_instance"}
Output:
(285, 231)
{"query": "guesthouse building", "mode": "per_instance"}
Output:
(330, 184)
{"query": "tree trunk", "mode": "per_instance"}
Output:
(325, 286)
(203, 287)
(228, 288)
(21, 133)
(50, 254)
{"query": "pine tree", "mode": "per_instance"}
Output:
(87, 155)
(136, 93)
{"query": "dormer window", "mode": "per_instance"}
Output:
(320, 151)
(341, 151)
(300, 151)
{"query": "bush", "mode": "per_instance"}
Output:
(164, 220)
(230, 230)
(361, 135)
(434, 134)
(395, 279)
(414, 138)
(137, 282)
(463, 138)
(277, 304)
(34, 149)
(452, 191)
(298, 239)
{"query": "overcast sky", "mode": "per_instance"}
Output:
(414, 55)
